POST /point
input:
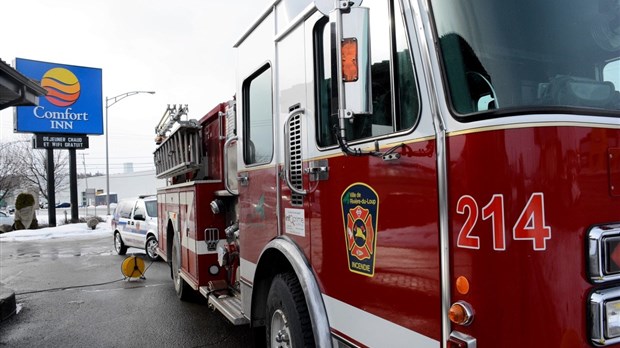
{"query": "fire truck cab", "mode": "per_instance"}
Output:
(408, 173)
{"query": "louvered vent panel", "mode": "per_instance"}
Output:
(296, 163)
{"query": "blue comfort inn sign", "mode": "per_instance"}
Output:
(73, 104)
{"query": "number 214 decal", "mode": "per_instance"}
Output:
(529, 226)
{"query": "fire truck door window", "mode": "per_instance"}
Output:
(258, 117)
(394, 89)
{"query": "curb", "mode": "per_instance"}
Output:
(7, 303)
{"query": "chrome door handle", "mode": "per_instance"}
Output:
(243, 179)
(318, 170)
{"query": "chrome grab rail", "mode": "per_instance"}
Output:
(226, 183)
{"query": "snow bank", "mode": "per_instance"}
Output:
(64, 231)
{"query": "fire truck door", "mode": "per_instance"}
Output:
(257, 173)
(374, 220)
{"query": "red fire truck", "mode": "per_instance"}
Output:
(408, 173)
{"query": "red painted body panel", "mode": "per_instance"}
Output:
(257, 212)
(523, 297)
(187, 206)
(168, 211)
(162, 223)
(212, 143)
(212, 115)
(194, 217)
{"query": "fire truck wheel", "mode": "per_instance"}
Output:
(288, 321)
(119, 246)
(180, 286)
(151, 248)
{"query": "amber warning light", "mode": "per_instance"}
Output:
(350, 70)
(612, 255)
(461, 313)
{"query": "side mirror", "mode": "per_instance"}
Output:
(353, 52)
(139, 217)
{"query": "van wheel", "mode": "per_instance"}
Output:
(119, 246)
(151, 248)
(288, 321)
(180, 286)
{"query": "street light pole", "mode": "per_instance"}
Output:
(108, 103)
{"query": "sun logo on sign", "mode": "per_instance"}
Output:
(63, 87)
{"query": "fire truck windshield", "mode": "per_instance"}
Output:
(530, 56)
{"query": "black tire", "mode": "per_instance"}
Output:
(180, 286)
(119, 245)
(151, 248)
(288, 321)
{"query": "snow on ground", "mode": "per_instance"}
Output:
(60, 231)
(64, 231)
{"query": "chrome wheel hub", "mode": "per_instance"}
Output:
(280, 331)
(151, 249)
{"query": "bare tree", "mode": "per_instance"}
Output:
(34, 169)
(11, 165)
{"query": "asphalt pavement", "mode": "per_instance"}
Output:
(71, 293)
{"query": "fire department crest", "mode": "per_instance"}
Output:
(360, 210)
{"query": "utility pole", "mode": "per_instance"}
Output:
(85, 175)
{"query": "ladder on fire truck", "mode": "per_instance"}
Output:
(179, 150)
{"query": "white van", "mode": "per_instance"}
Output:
(135, 225)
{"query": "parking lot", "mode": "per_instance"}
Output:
(70, 293)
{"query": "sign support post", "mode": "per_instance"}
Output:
(51, 189)
(73, 185)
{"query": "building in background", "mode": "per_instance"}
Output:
(124, 185)
(127, 167)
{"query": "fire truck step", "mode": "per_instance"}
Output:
(229, 306)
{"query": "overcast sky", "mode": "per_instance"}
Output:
(180, 49)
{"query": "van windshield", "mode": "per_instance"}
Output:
(503, 57)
